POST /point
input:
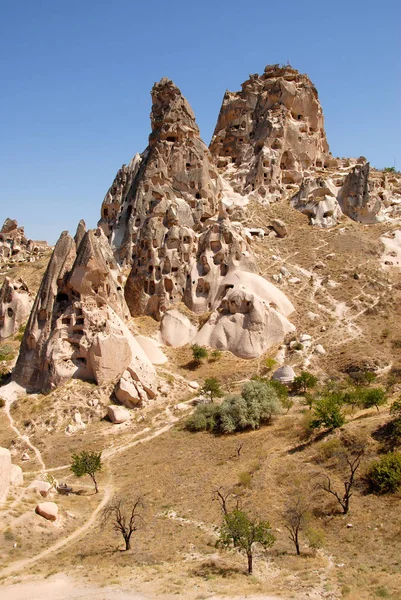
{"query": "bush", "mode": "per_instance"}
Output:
(204, 418)
(384, 475)
(304, 381)
(256, 405)
(199, 353)
(215, 356)
(374, 397)
(327, 413)
(6, 352)
(362, 378)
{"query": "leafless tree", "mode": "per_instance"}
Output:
(239, 447)
(223, 496)
(296, 516)
(125, 517)
(352, 458)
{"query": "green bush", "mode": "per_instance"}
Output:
(256, 405)
(384, 475)
(374, 397)
(6, 352)
(304, 381)
(199, 353)
(327, 412)
(204, 418)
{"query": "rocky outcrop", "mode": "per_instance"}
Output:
(355, 198)
(170, 215)
(15, 305)
(14, 246)
(270, 134)
(47, 510)
(317, 198)
(77, 324)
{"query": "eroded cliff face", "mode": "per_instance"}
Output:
(271, 133)
(77, 327)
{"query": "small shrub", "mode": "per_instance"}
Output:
(270, 363)
(245, 479)
(215, 356)
(6, 352)
(315, 537)
(199, 353)
(204, 418)
(327, 413)
(329, 449)
(384, 475)
(304, 381)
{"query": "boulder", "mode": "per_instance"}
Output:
(176, 329)
(152, 350)
(47, 510)
(129, 392)
(15, 306)
(320, 350)
(280, 228)
(284, 374)
(117, 414)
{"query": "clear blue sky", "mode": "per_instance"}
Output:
(76, 77)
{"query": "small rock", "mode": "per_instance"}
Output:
(312, 316)
(320, 350)
(117, 414)
(47, 510)
(285, 272)
(194, 385)
(280, 228)
(25, 456)
(294, 280)
(305, 337)
(349, 525)
(182, 406)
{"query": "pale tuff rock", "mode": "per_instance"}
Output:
(317, 198)
(15, 305)
(14, 246)
(270, 133)
(176, 329)
(279, 227)
(42, 487)
(77, 328)
(80, 232)
(152, 350)
(47, 510)
(117, 414)
(244, 324)
(170, 215)
(392, 253)
(355, 198)
(5, 473)
(16, 476)
(284, 374)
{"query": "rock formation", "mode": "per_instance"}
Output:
(5, 473)
(317, 198)
(168, 214)
(355, 198)
(77, 325)
(15, 305)
(14, 246)
(271, 133)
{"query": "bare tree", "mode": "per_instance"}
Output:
(296, 516)
(352, 458)
(239, 447)
(125, 517)
(223, 496)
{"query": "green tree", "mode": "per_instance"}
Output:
(327, 413)
(374, 397)
(199, 353)
(239, 530)
(87, 463)
(362, 378)
(304, 381)
(211, 389)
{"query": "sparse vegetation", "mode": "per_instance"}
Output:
(327, 412)
(296, 516)
(6, 352)
(243, 532)
(215, 355)
(125, 517)
(87, 463)
(212, 389)
(199, 353)
(384, 474)
(304, 382)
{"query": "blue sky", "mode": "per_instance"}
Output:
(76, 77)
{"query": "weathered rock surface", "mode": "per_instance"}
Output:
(117, 414)
(47, 510)
(42, 487)
(355, 198)
(284, 374)
(14, 246)
(77, 328)
(15, 305)
(5, 473)
(317, 198)
(271, 133)
(176, 329)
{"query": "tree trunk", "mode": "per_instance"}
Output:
(297, 545)
(95, 482)
(250, 563)
(127, 543)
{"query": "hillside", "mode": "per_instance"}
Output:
(265, 250)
